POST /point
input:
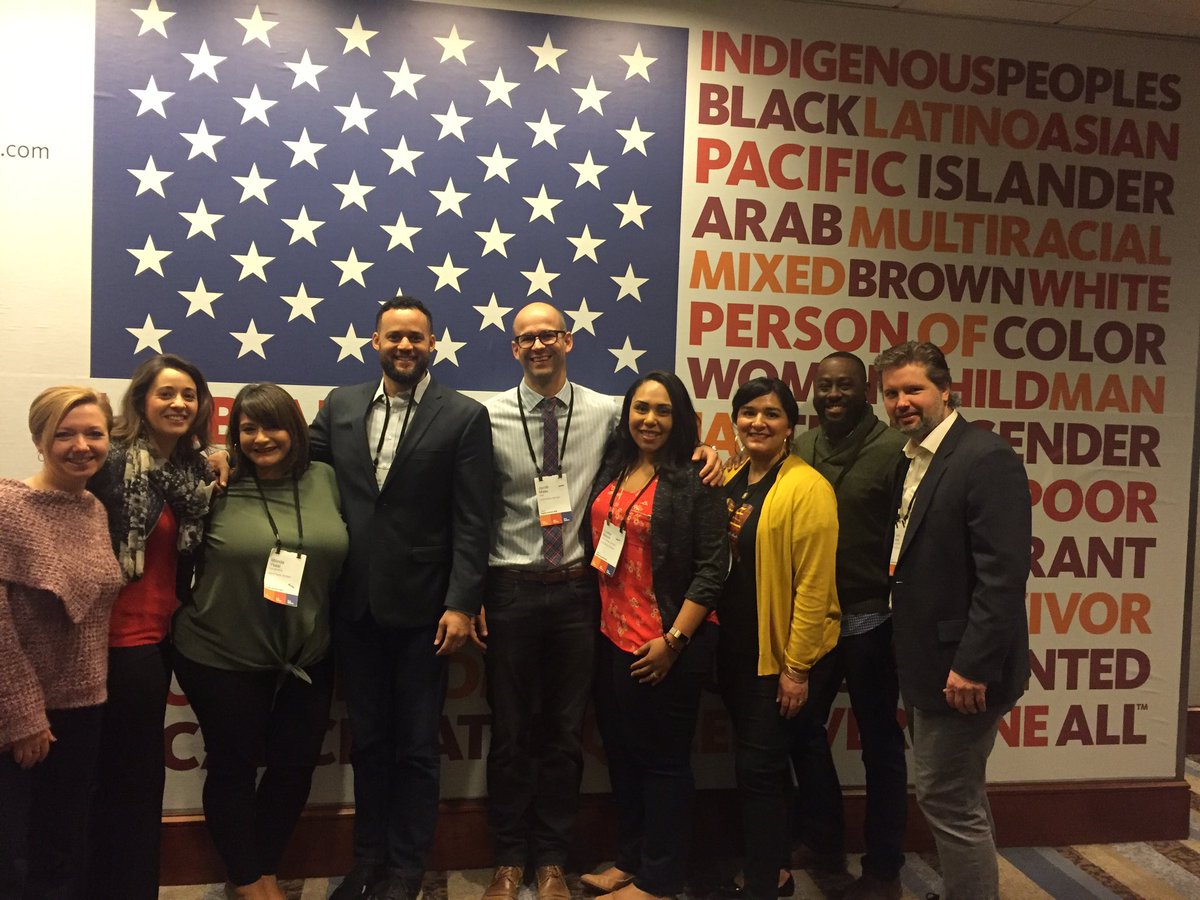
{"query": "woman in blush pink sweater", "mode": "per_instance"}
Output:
(58, 580)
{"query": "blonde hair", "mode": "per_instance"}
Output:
(51, 406)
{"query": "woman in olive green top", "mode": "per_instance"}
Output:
(252, 643)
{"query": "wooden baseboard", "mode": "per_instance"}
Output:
(1042, 814)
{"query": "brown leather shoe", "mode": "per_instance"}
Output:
(551, 885)
(606, 882)
(506, 883)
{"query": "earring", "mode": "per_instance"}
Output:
(40, 457)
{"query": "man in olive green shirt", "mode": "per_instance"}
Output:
(859, 455)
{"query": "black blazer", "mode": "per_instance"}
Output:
(689, 547)
(958, 592)
(419, 545)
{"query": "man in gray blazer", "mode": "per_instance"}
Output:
(414, 468)
(959, 562)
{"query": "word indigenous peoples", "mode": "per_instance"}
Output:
(956, 73)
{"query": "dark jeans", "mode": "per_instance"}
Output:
(541, 643)
(869, 668)
(251, 719)
(127, 809)
(761, 762)
(647, 732)
(395, 688)
(44, 811)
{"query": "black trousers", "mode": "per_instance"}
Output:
(395, 688)
(253, 719)
(647, 732)
(127, 811)
(761, 762)
(868, 665)
(44, 811)
(539, 675)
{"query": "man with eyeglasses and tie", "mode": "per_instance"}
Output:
(413, 461)
(542, 603)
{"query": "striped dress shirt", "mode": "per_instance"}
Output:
(517, 534)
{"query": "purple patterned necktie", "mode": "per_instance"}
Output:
(552, 536)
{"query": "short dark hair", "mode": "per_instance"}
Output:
(131, 422)
(404, 302)
(271, 406)
(685, 433)
(922, 353)
(850, 357)
(760, 387)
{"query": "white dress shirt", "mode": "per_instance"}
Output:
(920, 455)
(402, 408)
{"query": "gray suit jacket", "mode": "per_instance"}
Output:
(958, 592)
(419, 545)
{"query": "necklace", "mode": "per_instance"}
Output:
(752, 487)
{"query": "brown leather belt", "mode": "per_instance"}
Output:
(540, 576)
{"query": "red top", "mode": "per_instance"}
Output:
(629, 615)
(142, 614)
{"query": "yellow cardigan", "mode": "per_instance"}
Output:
(795, 564)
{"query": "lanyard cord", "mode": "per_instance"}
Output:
(562, 451)
(387, 414)
(902, 517)
(612, 498)
(271, 519)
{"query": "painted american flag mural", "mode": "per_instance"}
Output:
(265, 174)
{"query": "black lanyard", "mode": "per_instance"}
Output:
(387, 414)
(612, 499)
(271, 519)
(562, 450)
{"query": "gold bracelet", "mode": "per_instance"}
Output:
(796, 675)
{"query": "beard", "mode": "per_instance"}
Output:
(922, 428)
(838, 428)
(404, 380)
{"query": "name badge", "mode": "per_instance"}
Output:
(281, 581)
(608, 549)
(553, 500)
(897, 542)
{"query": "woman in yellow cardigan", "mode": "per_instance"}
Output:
(779, 615)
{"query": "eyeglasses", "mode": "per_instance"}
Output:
(548, 338)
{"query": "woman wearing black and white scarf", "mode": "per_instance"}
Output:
(155, 487)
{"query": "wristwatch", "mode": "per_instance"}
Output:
(683, 639)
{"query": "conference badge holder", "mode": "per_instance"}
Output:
(553, 500)
(281, 581)
(608, 549)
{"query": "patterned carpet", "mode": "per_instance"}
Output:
(1163, 870)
